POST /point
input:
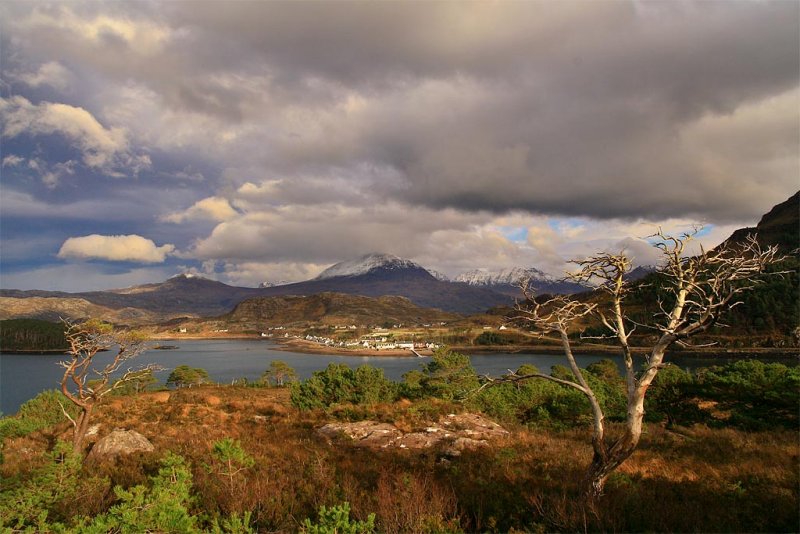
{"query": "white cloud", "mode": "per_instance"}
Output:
(101, 147)
(51, 73)
(12, 161)
(212, 208)
(133, 248)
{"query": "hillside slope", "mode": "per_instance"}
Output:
(334, 309)
(780, 226)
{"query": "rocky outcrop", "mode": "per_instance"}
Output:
(454, 432)
(120, 442)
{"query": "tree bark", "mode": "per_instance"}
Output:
(607, 458)
(81, 428)
(605, 461)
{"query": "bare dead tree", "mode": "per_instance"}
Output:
(84, 385)
(701, 288)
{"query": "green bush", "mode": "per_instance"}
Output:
(449, 376)
(185, 376)
(339, 384)
(34, 503)
(672, 398)
(757, 395)
(538, 401)
(42, 411)
(336, 520)
(278, 374)
(162, 507)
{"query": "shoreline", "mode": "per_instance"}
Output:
(308, 347)
(303, 346)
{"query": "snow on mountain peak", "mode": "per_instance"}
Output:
(365, 264)
(438, 275)
(485, 277)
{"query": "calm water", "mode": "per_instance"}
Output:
(22, 376)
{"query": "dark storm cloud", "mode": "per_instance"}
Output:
(557, 108)
(575, 109)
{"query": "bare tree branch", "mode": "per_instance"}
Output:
(700, 288)
(85, 341)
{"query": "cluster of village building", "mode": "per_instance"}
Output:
(375, 341)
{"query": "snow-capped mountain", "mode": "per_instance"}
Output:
(368, 264)
(485, 277)
(507, 281)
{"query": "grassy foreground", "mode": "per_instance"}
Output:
(693, 480)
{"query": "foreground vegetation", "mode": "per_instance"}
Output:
(720, 453)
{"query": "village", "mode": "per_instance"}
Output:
(375, 340)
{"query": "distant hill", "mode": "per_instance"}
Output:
(780, 226)
(179, 295)
(771, 310)
(189, 295)
(335, 309)
(54, 309)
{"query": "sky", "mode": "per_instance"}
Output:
(265, 141)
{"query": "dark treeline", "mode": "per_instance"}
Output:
(31, 335)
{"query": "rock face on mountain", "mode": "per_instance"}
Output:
(335, 309)
(507, 281)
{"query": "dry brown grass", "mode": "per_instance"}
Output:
(700, 480)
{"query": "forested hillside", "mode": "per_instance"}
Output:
(31, 335)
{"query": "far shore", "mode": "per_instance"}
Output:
(309, 347)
